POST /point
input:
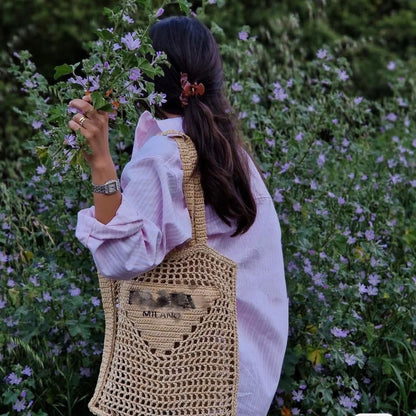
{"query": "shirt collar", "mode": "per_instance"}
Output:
(148, 126)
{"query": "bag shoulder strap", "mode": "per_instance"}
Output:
(192, 189)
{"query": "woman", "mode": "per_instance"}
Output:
(130, 232)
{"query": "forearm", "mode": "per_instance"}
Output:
(106, 206)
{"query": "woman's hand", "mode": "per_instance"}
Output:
(93, 125)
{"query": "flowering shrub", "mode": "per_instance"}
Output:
(340, 168)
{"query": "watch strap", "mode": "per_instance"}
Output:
(109, 188)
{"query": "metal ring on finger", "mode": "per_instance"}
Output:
(82, 121)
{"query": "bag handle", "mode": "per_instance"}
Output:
(192, 189)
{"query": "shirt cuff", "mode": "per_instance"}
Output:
(125, 223)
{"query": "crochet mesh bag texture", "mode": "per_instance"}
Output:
(170, 344)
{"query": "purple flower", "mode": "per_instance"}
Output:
(19, 405)
(37, 124)
(369, 235)
(270, 142)
(299, 137)
(347, 402)
(278, 197)
(339, 333)
(95, 301)
(374, 279)
(342, 75)
(46, 296)
(297, 396)
(351, 240)
(27, 371)
(34, 280)
(362, 289)
(134, 90)
(79, 81)
(130, 41)
(391, 66)
(358, 100)
(30, 84)
(321, 159)
(127, 18)
(116, 47)
(401, 102)
(40, 170)
(279, 92)
(391, 117)
(243, 35)
(70, 140)
(134, 74)
(159, 12)
(237, 87)
(322, 53)
(13, 379)
(255, 99)
(372, 291)
(297, 207)
(74, 291)
(350, 359)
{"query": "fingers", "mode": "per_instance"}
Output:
(91, 123)
(73, 125)
(83, 106)
(80, 121)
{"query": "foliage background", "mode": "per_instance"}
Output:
(339, 160)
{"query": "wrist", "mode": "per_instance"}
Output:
(99, 164)
(101, 176)
(102, 170)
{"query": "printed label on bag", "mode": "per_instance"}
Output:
(157, 314)
(163, 299)
(165, 315)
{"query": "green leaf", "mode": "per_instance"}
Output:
(57, 113)
(99, 102)
(185, 6)
(42, 152)
(104, 34)
(147, 68)
(62, 70)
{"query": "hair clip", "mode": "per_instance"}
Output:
(189, 89)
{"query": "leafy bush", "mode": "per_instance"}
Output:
(342, 172)
(340, 168)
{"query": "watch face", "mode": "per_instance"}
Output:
(112, 187)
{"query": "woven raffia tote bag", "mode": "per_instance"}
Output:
(171, 343)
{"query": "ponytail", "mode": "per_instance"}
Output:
(222, 162)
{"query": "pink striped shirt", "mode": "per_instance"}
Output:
(152, 219)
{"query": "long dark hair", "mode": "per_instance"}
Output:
(207, 119)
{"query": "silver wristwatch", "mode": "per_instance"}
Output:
(109, 188)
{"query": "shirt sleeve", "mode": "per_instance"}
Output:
(151, 220)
